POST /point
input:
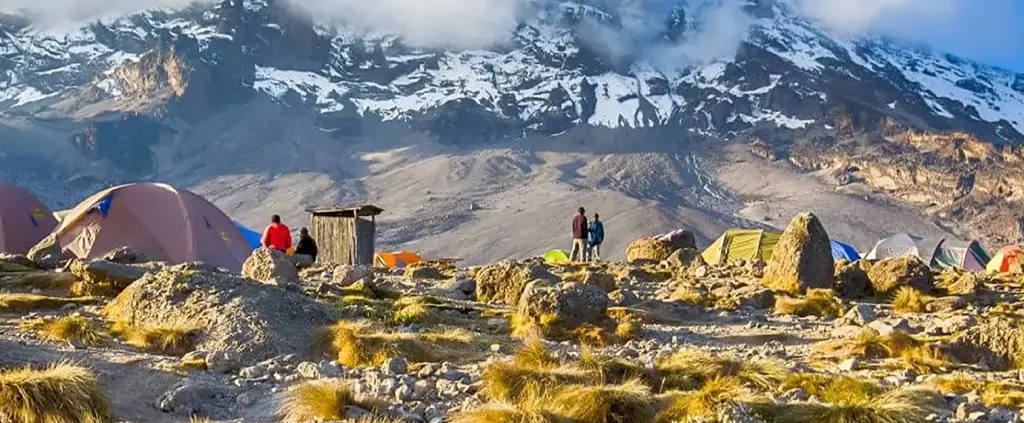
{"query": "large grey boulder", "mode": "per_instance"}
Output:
(504, 282)
(198, 399)
(996, 343)
(802, 259)
(347, 274)
(47, 254)
(574, 304)
(272, 267)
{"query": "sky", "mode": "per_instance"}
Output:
(988, 31)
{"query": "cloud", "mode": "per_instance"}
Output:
(434, 23)
(988, 31)
(56, 13)
(721, 30)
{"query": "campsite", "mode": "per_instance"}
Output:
(147, 303)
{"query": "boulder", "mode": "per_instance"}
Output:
(888, 275)
(198, 399)
(47, 254)
(623, 297)
(959, 282)
(752, 296)
(573, 304)
(684, 258)
(649, 250)
(860, 315)
(125, 255)
(605, 281)
(272, 267)
(250, 320)
(996, 343)
(851, 281)
(504, 282)
(802, 259)
(100, 275)
(301, 261)
(680, 239)
(347, 275)
(423, 272)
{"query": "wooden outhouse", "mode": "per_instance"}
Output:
(344, 235)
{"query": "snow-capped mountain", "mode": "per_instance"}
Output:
(118, 88)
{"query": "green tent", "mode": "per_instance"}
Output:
(556, 257)
(745, 244)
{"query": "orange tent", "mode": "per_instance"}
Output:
(24, 221)
(1008, 259)
(157, 220)
(396, 260)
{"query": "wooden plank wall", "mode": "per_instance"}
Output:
(343, 240)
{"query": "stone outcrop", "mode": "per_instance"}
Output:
(250, 320)
(802, 259)
(504, 282)
(271, 267)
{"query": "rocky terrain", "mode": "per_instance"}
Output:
(264, 110)
(662, 338)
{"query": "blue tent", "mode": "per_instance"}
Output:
(251, 237)
(843, 251)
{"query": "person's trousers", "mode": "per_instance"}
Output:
(595, 252)
(579, 250)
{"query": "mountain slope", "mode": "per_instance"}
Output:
(264, 110)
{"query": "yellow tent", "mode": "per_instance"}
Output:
(556, 257)
(745, 244)
(395, 260)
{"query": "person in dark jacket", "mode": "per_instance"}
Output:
(579, 236)
(595, 237)
(306, 245)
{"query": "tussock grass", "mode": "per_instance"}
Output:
(993, 394)
(691, 369)
(504, 381)
(817, 302)
(320, 401)
(911, 352)
(702, 403)
(61, 393)
(359, 345)
(28, 302)
(534, 354)
(909, 300)
(828, 387)
(74, 328)
(629, 329)
(171, 340)
(898, 406)
(502, 413)
(615, 371)
(628, 402)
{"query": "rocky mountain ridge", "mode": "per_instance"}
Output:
(930, 130)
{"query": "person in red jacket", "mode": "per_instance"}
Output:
(277, 235)
(579, 237)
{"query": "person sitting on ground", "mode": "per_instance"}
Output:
(579, 237)
(306, 245)
(596, 237)
(277, 235)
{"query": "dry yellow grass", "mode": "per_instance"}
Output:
(689, 295)
(29, 302)
(702, 403)
(909, 300)
(61, 393)
(691, 369)
(172, 340)
(993, 393)
(502, 413)
(361, 345)
(844, 406)
(74, 328)
(628, 402)
(504, 381)
(615, 371)
(629, 329)
(320, 401)
(817, 302)
(44, 280)
(534, 353)
(909, 351)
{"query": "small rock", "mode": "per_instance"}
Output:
(965, 410)
(251, 372)
(348, 275)
(404, 393)
(308, 370)
(221, 362)
(428, 370)
(849, 364)
(193, 398)
(861, 314)
(329, 369)
(623, 297)
(796, 394)
(845, 332)
(396, 366)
